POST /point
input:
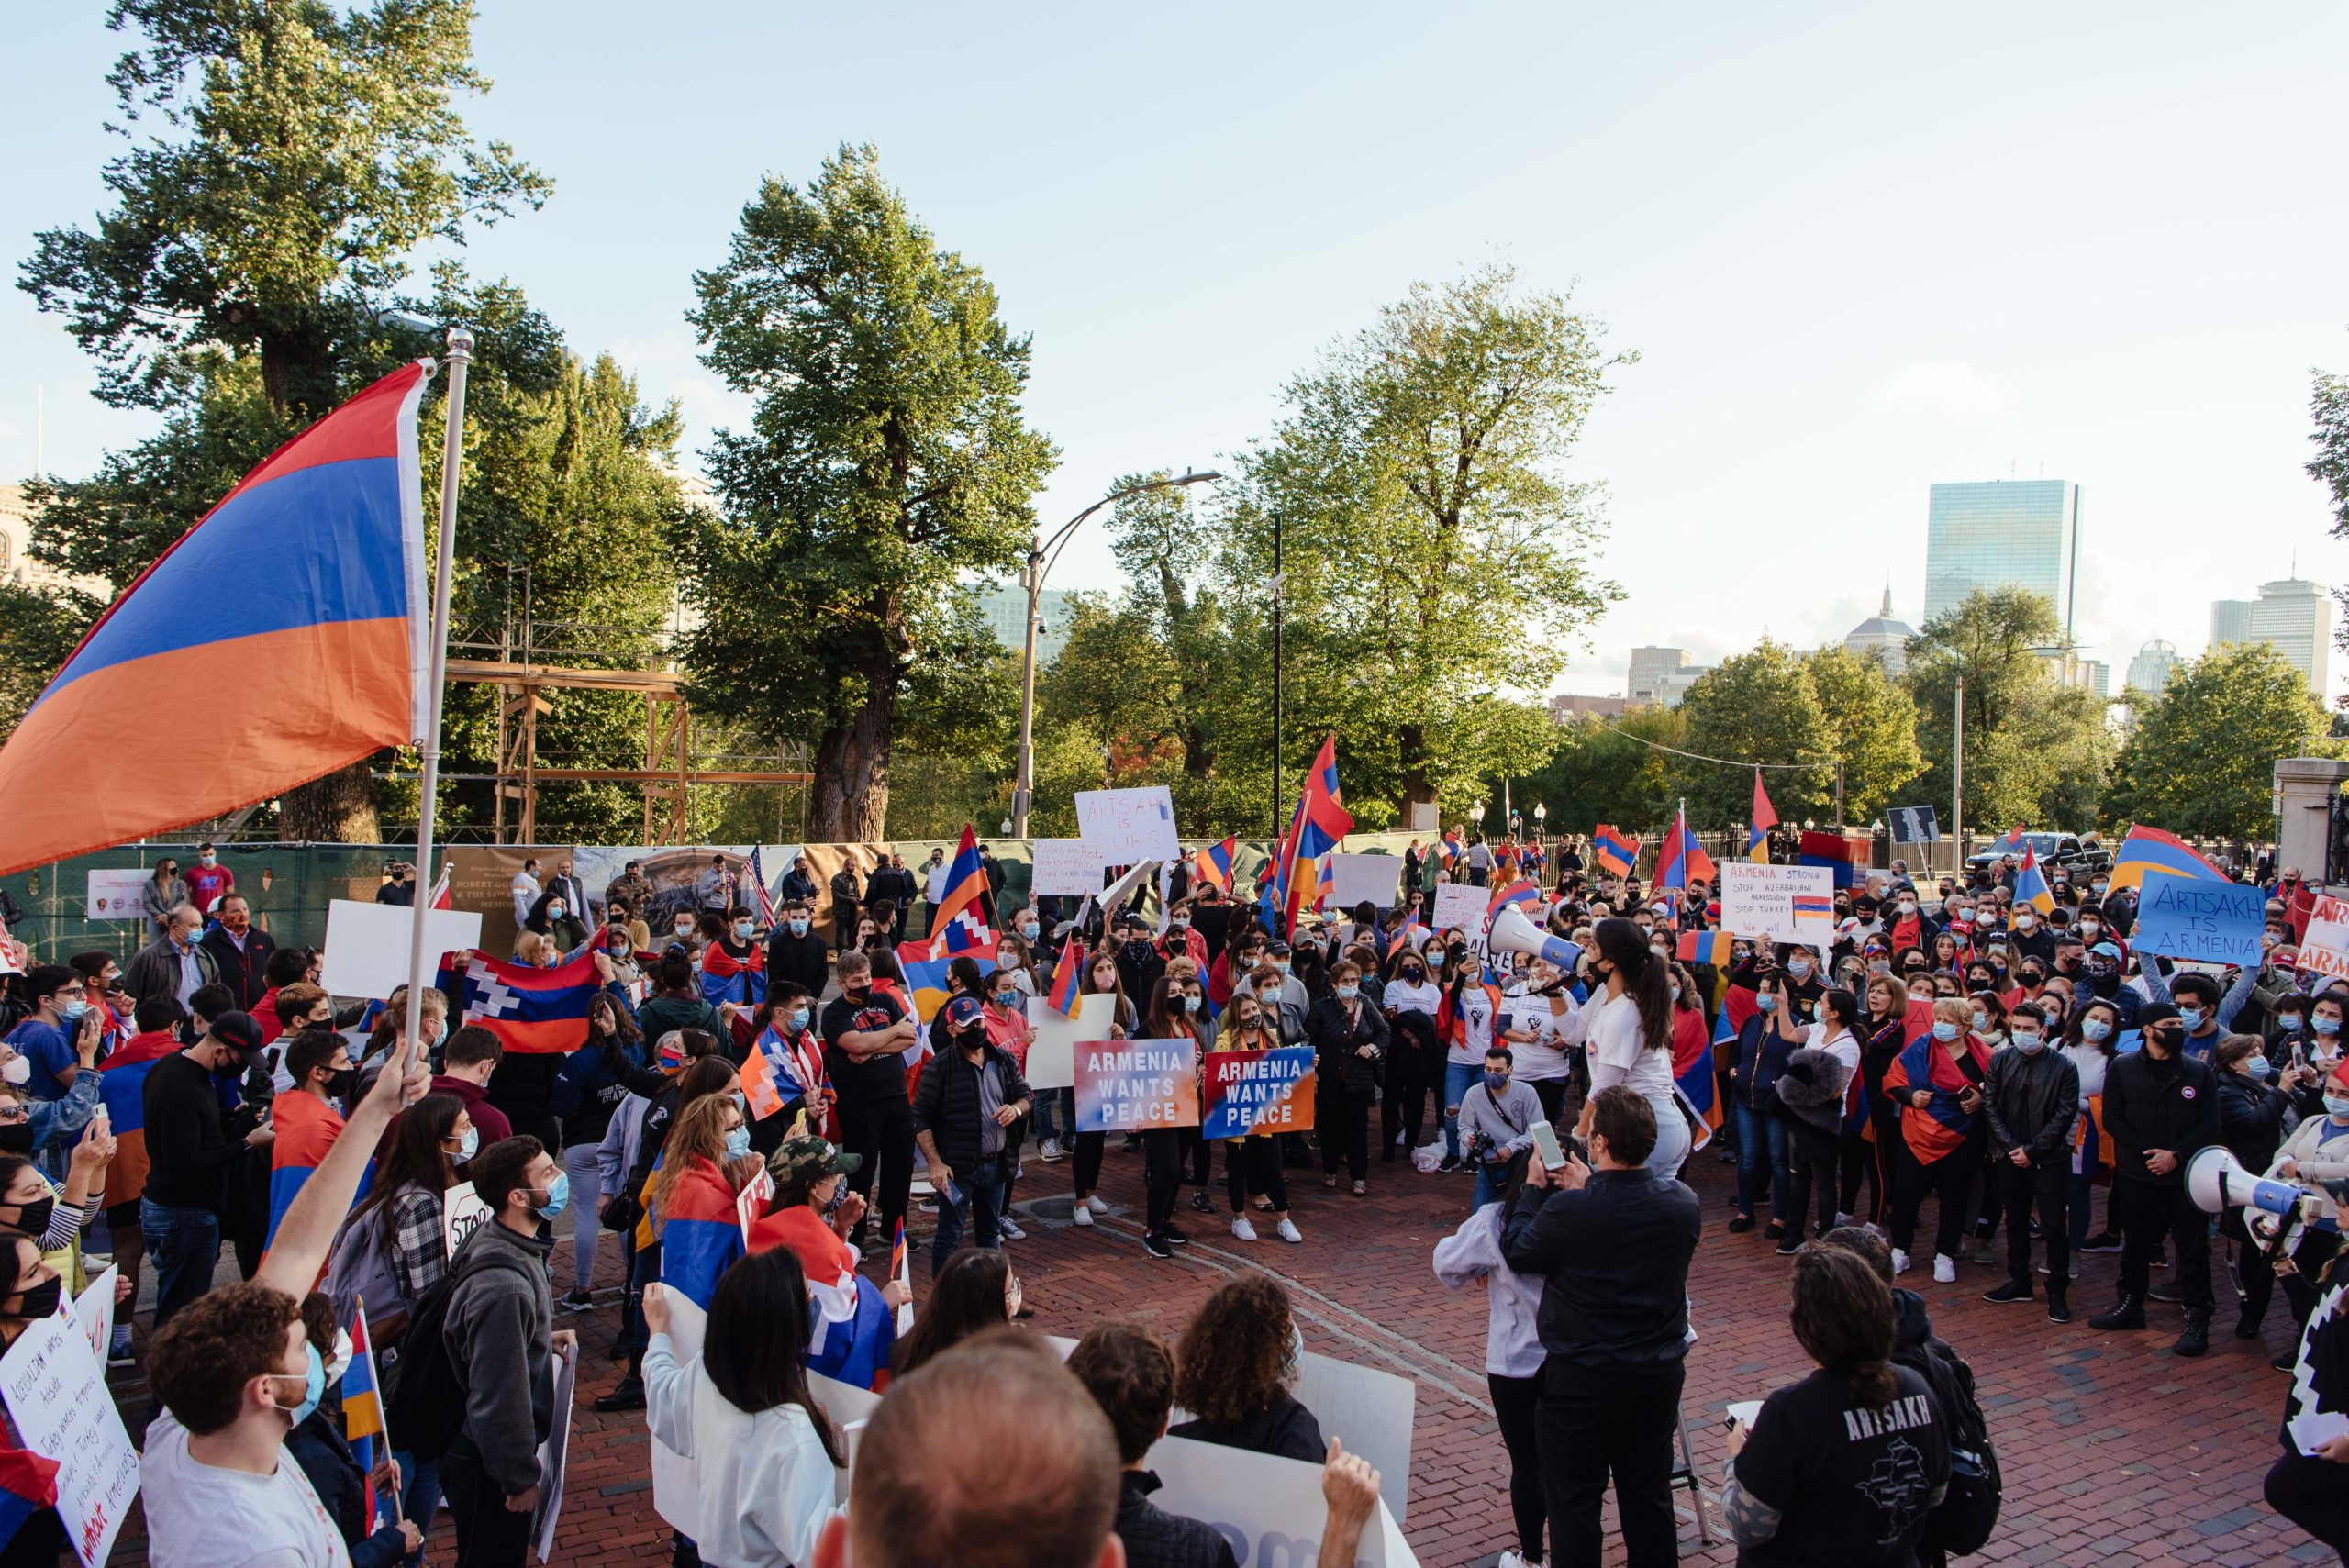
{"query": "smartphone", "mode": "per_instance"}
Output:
(1545, 1146)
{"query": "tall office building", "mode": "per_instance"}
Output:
(1661, 676)
(2230, 621)
(2292, 616)
(1004, 605)
(2149, 671)
(2000, 533)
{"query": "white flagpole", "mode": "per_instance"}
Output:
(460, 354)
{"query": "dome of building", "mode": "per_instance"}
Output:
(1882, 635)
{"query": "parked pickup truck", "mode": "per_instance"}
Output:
(2055, 851)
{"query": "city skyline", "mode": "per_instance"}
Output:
(1827, 324)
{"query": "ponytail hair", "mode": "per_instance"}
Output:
(1622, 944)
(1842, 1319)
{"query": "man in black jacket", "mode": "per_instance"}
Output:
(796, 954)
(2160, 1105)
(1613, 1246)
(966, 1099)
(189, 1151)
(845, 898)
(2032, 1096)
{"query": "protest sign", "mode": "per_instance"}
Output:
(1130, 1086)
(93, 1309)
(1356, 878)
(118, 894)
(676, 1485)
(367, 944)
(1066, 867)
(1052, 1058)
(555, 1456)
(2195, 918)
(2324, 947)
(1461, 907)
(1257, 1091)
(1269, 1508)
(1369, 1410)
(1780, 904)
(56, 1393)
(462, 1213)
(1128, 825)
(1913, 824)
(751, 1202)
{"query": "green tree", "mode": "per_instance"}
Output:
(1755, 708)
(2328, 408)
(887, 455)
(1600, 769)
(1433, 550)
(1874, 724)
(2201, 758)
(241, 279)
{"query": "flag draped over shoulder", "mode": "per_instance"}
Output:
(1939, 1129)
(700, 1233)
(122, 1090)
(531, 1011)
(1301, 867)
(725, 978)
(27, 1484)
(302, 591)
(306, 1128)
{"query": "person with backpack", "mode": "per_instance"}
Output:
(498, 1336)
(1845, 1466)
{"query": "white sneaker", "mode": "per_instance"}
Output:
(1096, 1205)
(1083, 1216)
(1050, 1152)
(1899, 1261)
(1944, 1268)
(1242, 1228)
(1517, 1560)
(1287, 1230)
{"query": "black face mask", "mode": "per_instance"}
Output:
(33, 1218)
(40, 1301)
(343, 1084)
(17, 1137)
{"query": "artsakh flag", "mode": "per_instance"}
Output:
(1757, 833)
(303, 592)
(961, 924)
(362, 1411)
(1616, 851)
(27, 1484)
(1068, 978)
(700, 1233)
(1301, 873)
(306, 1128)
(122, 1090)
(532, 1012)
(1213, 865)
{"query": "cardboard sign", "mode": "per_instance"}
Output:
(2195, 917)
(56, 1392)
(1067, 868)
(368, 944)
(554, 1457)
(676, 1485)
(1132, 1086)
(462, 1213)
(118, 894)
(1052, 1058)
(751, 1202)
(1780, 904)
(1914, 825)
(1461, 907)
(1257, 1091)
(93, 1309)
(1128, 825)
(2324, 948)
(1356, 878)
(1268, 1507)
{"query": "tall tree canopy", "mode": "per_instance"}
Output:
(1755, 708)
(2201, 759)
(886, 455)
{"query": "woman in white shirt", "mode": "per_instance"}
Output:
(766, 1452)
(1628, 1024)
(1532, 1033)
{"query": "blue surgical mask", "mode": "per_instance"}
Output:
(2323, 1025)
(2337, 1106)
(741, 930)
(558, 1197)
(1981, 1022)
(1029, 929)
(2255, 1067)
(71, 1011)
(2031, 1044)
(1945, 1031)
(798, 926)
(798, 1020)
(1191, 1003)
(554, 911)
(313, 1386)
(469, 1144)
(1768, 1004)
(1348, 993)
(2096, 1031)
(1800, 968)
(738, 1143)
(2191, 1017)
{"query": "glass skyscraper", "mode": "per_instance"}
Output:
(2000, 533)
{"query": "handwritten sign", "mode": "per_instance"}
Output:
(2195, 917)
(1131, 1085)
(1067, 868)
(93, 1309)
(1258, 1091)
(2324, 948)
(56, 1392)
(1461, 907)
(462, 1213)
(1128, 825)
(1780, 904)
(117, 894)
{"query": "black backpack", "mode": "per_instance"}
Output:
(1968, 1512)
(425, 1390)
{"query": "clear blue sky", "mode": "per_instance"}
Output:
(1860, 248)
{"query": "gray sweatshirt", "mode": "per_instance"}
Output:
(1505, 1123)
(500, 1336)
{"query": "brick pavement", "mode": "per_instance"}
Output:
(2114, 1450)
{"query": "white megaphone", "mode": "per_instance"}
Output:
(1512, 932)
(2217, 1181)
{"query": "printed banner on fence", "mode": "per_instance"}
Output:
(1461, 907)
(1067, 868)
(118, 894)
(56, 1392)
(2194, 917)
(1128, 825)
(1357, 879)
(1780, 904)
(1258, 1091)
(1132, 1086)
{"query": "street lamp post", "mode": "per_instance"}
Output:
(1042, 556)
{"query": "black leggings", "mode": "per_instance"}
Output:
(1086, 1162)
(1951, 1180)
(1514, 1401)
(1253, 1166)
(1345, 1131)
(1162, 1177)
(1813, 1154)
(1405, 1107)
(2309, 1493)
(1201, 1155)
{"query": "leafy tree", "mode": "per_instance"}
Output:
(1433, 551)
(1600, 770)
(1753, 708)
(241, 279)
(886, 456)
(1874, 724)
(2201, 758)
(2329, 405)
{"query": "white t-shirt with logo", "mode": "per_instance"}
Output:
(201, 1516)
(1474, 1009)
(1539, 1060)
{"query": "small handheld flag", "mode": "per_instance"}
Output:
(1616, 851)
(362, 1416)
(1705, 947)
(1211, 867)
(2030, 885)
(1757, 835)
(901, 1270)
(1068, 976)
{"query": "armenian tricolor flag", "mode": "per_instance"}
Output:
(1833, 850)
(1452, 847)
(725, 978)
(1211, 867)
(1681, 859)
(1705, 947)
(306, 1128)
(1696, 1087)
(1411, 934)
(2030, 885)
(531, 1011)
(2149, 848)
(1757, 833)
(1068, 977)
(27, 1484)
(1520, 893)
(362, 1411)
(1940, 1129)
(961, 924)
(303, 592)
(2007, 843)
(122, 1090)
(1617, 852)
(700, 1234)
(1301, 868)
